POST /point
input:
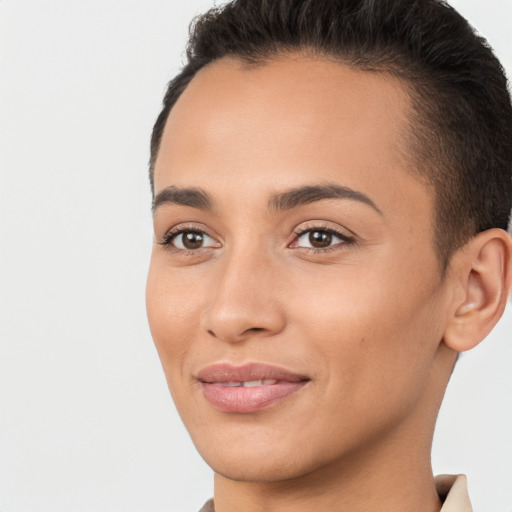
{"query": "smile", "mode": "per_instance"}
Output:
(249, 388)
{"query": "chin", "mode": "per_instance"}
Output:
(258, 469)
(248, 463)
(249, 459)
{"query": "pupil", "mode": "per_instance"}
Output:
(192, 240)
(320, 238)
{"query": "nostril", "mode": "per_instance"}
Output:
(252, 330)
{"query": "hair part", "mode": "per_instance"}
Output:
(460, 134)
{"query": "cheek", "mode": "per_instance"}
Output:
(375, 335)
(172, 318)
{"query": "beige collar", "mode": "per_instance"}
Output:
(455, 488)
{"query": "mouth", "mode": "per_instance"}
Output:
(248, 388)
(247, 383)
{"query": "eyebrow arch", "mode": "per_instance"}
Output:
(311, 193)
(194, 197)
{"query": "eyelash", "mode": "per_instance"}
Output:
(346, 239)
(172, 234)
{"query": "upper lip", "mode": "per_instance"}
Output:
(226, 372)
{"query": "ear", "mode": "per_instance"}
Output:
(483, 276)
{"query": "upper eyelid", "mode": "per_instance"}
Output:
(185, 226)
(178, 231)
(345, 238)
(319, 225)
(320, 228)
(299, 230)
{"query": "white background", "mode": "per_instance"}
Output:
(86, 422)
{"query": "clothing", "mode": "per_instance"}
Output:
(208, 507)
(452, 490)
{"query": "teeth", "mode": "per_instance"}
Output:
(248, 383)
(252, 383)
(264, 382)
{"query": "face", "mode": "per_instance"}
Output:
(294, 295)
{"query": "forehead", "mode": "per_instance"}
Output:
(292, 119)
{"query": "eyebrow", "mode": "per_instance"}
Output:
(309, 194)
(194, 197)
(294, 198)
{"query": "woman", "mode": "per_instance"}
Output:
(327, 240)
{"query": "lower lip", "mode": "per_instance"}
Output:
(248, 399)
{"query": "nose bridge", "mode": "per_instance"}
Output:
(244, 300)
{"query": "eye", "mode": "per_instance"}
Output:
(189, 240)
(320, 238)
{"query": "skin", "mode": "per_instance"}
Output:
(367, 320)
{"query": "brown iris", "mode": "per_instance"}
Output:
(320, 239)
(192, 240)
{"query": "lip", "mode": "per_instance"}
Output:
(281, 383)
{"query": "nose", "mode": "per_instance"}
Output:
(244, 302)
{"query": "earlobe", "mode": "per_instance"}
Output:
(484, 273)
